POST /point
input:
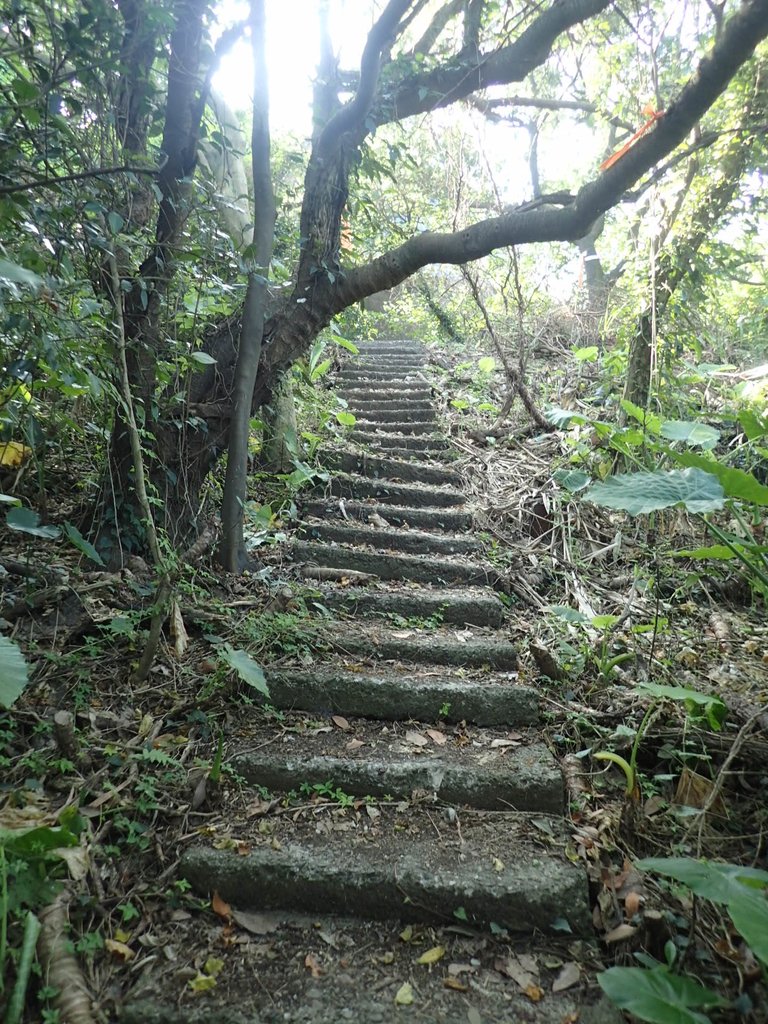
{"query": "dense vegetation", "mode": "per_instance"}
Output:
(566, 200)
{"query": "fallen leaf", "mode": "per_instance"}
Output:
(432, 955)
(256, 923)
(355, 744)
(213, 966)
(473, 1016)
(119, 950)
(372, 812)
(404, 995)
(406, 935)
(498, 865)
(523, 970)
(416, 738)
(504, 743)
(438, 737)
(202, 983)
(632, 904)
(456, 969)
(329, 938)
(620, 933)
(178, 630)
(694, 790)
(220, 906)
(534, 993)
(342, 723)
(312, 964)
(568, 976)
(13, 453)
(455, 984)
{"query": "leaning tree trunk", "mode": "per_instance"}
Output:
(672, 266)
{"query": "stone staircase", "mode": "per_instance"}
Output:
(451, 816)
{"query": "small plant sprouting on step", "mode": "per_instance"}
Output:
(445, 709)
(329, 791)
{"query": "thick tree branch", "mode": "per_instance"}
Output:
(457, 79)
(490, 108)
(355, 111)
(738, 41)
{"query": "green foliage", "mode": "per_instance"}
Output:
(656, 995)
(14, 673)
(640, 493)
(246, 668)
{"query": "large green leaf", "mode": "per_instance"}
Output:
(695, 435)
(14, 673)
(25, 520)
(656, 996)
(638, 493)
(74, 536)
(719, 883)
(705, 703)
(749, 914)
(249, 671)
(735, 482)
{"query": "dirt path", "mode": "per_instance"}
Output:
(429, 875)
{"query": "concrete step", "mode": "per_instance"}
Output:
(373, 413)
(418, 568)
(390, 345)
(400, 443)
(396, 866)
(398, 382)
(352, 486)
(391, 404)
(390, 695)
(372, 425)
(389, 469)
(368, 393)
(470, 606)
(394, 375)
(485, 769)
(386, 360)
(390, 539)
(444, 519)
(462, 648)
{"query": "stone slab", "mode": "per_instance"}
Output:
(436, 647)
(349, 485)
(373, 425)
(390, 469)
(369, 392)
(391, 405)
(525, 778)
(468, 607)
(496, 700)
(373, 411)
(400, 442)
(419, 568)
(396, 866)
(447, 519)
(393, 539)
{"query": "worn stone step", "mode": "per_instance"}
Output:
(390, 345)
(373, 425)
(391, 538)
(470, 606)
(367, 393)
(390, 695)
(352, 486)
(418, 568)
(400, 442)
(386, 361)
(444, 519)
(462, 648)
(373, 413)
(391, 404)
(490, 770)
(395, 866)
(389, 469)
(398, 382)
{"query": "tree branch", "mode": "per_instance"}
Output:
(6, 190)
(354, 112)
(455, 80)
(740, 37)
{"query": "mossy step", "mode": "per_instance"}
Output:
(389, 469)
(353, 486)
(444, 519)
(394, 866)
(401, 443)
(490, 772)
(391, 538)
(430, 647)
(390, 404)
(373, 412)
(392, 695)
(471, 606)
(372, 424)
(394, 566)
